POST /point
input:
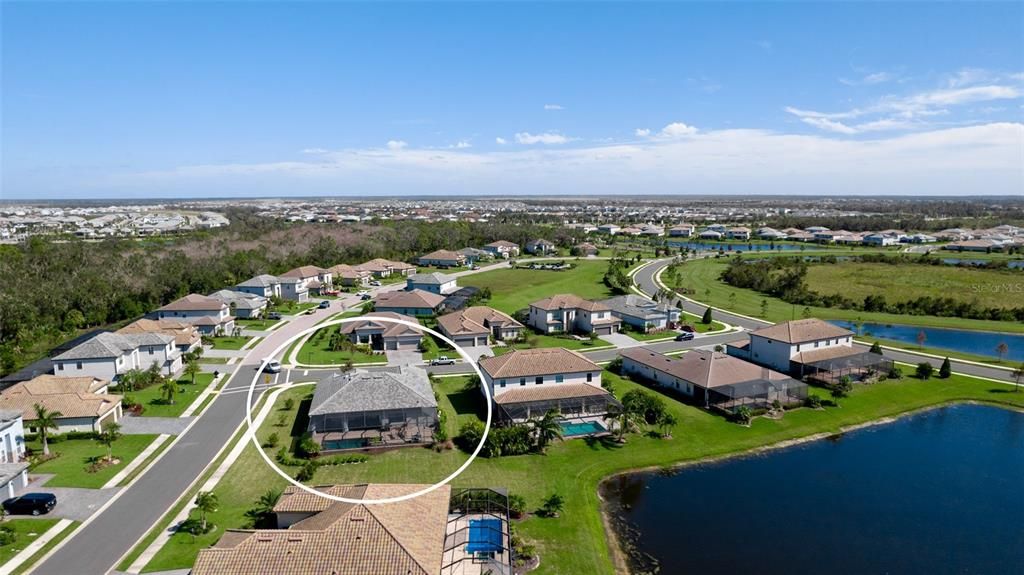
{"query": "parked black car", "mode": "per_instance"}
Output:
(274, 315)
(324, 304)
(685, 336)
(31, 504)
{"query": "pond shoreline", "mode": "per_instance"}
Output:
(622, 557)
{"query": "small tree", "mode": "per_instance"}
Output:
(107, 437)
(553, 505)
(921, 338)
(876, 348)
(547, 429)
(841, 389)
(764, 308)
(1018, 374)
(666, 422)
(192, 369)
(1002, 349)
(206, 502)
(168, 389)
(289, 403)
(924, 370)
(806, 313)
(272, 440)
(945, 370)
(45, 421)
(516, 505)
(743, 415)
(706, 319)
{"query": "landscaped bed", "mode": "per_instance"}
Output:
(316, 351)
(75, 456)
(154, 401)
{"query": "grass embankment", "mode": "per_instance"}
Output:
(75, 456)
(515, 289)
(575, 542)
(702, 276)
(153, 400)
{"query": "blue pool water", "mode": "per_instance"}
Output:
(484, 536)
(585, 428)
(962, 340)
(344, 444)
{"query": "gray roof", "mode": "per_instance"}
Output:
(636, 306)
(147, 338)
(264, 280)
(362, 390)
(109, 344)
(433, 278)
(9, 471)
(241, 299)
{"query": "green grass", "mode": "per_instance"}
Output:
(69, 468)
(699, 326)
(152, 398)
(515, 289)
(289, 307)
(939, 352)
(46, 548)
(857, 280)
(315, 351)
(702, 276)
(27, 531)
(261, 323)
(575, 542)
(217, 360)
(535, 340)
(230, 342)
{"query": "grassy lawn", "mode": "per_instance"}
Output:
(217, 360)
(152, 398)
(315, 351)
(699, 326)
(230, 342)
(70, 468)
(26, 531)
(46, 548)
(575, 542)
(514, 289)
(545, 340)
(702, 276)
(261, 323)
(289, 307)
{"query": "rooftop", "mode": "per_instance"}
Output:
(379, 390)
(533, 362)
(802, 330)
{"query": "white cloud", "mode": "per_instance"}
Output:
(678, 130)
(463, 144)
(642, 132)
(549, 138)
(869, 79)
(500, 141)
(553, 107)
(397, 144)
(829, 125)
(314, 151)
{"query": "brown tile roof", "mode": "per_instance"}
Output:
(183, 333)
(472, 320)
(562, 301)
(707, 369)
(459, 323)
(443, 255)
(831, 352)
(390, 329)
(195, 302)
(347, 271)
(502, 244)
(802, 330)
(540, 361)
(303, 272)
(71, 396)
(405, 538)
(549, 392)
(410, 299)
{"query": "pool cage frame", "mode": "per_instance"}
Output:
(568, 408)
(858, 367)
(756, 394)
(478, 503)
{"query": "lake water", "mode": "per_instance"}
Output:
(962, 340)
(734, 247)
(938, 492)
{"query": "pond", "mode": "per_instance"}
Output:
(962, 340)
(937, 492)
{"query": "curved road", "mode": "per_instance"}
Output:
(645, 280)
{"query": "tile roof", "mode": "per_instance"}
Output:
(262, 280)
(549, 393)
(183, 333)
(443, 255)
(303, 272)
(476, 319)
(637, 306)
(71, 396)
(564, 301)
(241, 299)
(802, 330)
(502, 244)
(416, 298)
(433, 278)
(405, 538)
(540, 361)
(390, 329)
(102, 345)
(347, 271)
(707, 369)
(378, 390)
(194, 302)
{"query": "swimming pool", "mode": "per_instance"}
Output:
(344, 444)
(584, 428)
(484, 536)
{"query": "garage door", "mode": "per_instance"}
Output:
(481, 340)
(604, 330)
(391, 345)
(465, 341)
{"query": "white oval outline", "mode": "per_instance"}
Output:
(319, 326)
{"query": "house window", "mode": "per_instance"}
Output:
(798, 347)
(590, 377)
(502, 383)
(79, 365)
(522, 381)
(150, 351)
(60, 366)
(539, 380)
(816, 343)
(559, 379)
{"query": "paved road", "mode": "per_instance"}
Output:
(645, 281)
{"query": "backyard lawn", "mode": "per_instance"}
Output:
(515, 289)
(574, 543)
(316, 351)
(535, 340)
(230, 342)
(75, 456)
(152, 398)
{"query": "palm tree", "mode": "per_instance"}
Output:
(264, 507)
(547, 429)
(667, 421)
(206, 502)
(1001, 350)
(1018, 374)
(168, 389)
(45, 421)
(625, 420)
(108, 436)
(192, 369)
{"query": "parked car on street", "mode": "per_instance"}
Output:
(687, 328)
(274, 315)
(375, 283)
(365, 296)
(442, 360)
(31, 504)
(310, 311)
(325, 304)
(685, 336)
(273, 366)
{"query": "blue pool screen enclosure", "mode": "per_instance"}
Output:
(478, 540)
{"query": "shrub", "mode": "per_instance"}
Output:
(812, 401)
(272, 440)
(308, 448)
(307, 471)
(924, 370)
(553, 505)
(946, 370)
(289, 404)
(7, 535)
(615, 365)
(516, 505)
(743, 415)
(706, 319)
(470, 434)
(895, 373)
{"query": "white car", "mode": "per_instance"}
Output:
(273, 366)
(375, 283)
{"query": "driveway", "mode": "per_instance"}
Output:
(475, 351)
(76, 503)
(398, 357)
(154, 425)
(620, 340)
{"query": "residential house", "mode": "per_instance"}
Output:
(502, 249)
(383, 335)
(316, 279)
(242, 304)
(920, 239)
(402, 268)
(652, 231)
(643, 314)
(631, 231)
(540, 247)
(477, 325)
(108, 355)
(13, 470)
(710, 235)
(681, 231)
(474, 255)
(210, 315)
(720, 228)
(425, 535)
(974, 246)
(816, 229)
(610, 229)
(437, 283)
(294, 289)
(766, 233)
(350, 276)
(415, 302)
(264, 285)
(527, 383)
(443, 259)
(391, 407)
(738, 233)
(586, 249)
(186, 336)
(880, 239)
(83, 402)
(713, 378)
(571, 313)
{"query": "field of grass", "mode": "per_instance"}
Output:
(217, 360)
(26, 531)
(315, 351)
(702, 276)
(514, 289)
(575, 542)
(28, 564)
(261, 323)
(70, 468)
(856, 280)
(152, 398)
(230, 342)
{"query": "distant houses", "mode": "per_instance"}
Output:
(641, 313)
(349, 276)
(540, 247)
(436, 283)
(442, 259)
(478, 325)
(415, 302)
(585, 249)
(314, 278)
(186, 337)
(242, 304)
(502, 249)
(570, 313)
(263, 285)
(383, 335)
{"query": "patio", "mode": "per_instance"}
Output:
(399, 435)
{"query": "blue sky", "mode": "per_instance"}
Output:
(201, 99)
